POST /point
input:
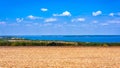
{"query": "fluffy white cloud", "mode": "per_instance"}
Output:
(66, 13)
(44, 9)
(81, 19)
(78, 20)
(111, 14)
(2, 22)
(50, 20)
(97, 13)
(33, 17)
(19, 19)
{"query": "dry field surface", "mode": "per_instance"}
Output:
(59, 57)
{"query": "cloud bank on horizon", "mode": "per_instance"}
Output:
(79, 17)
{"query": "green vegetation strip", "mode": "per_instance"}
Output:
(51, 43)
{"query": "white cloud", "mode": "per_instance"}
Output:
(110, 22)
(95, 21)
(78, 20)
(81, 19)
(66, 13)
(33, 17)
(44, 9)
(104, 24)
(19, 19)
(2, 23)
(111, 14)
(114, 21)
(50, 20)
(97, 13)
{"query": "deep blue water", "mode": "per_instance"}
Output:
(75, 38)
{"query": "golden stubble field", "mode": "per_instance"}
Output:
(59, 57)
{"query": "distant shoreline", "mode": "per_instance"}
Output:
(67, 38)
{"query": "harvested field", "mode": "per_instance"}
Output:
(59, 57)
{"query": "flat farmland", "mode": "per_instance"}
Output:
(59, 57)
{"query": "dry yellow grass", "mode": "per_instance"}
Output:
(59, 57)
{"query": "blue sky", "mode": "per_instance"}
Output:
(59, 17)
